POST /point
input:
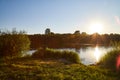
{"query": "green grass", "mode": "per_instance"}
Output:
(51, 64)
(36, 69)
(67, 56)
(109, 60)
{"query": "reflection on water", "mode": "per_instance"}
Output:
(90, 54)
(97, 53)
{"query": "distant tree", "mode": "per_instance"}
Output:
(47, 31)
(52, 33)
(77, 32)
(84, 33)
(13, 44)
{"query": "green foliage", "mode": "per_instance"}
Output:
(35, 69)
(109, 60)
(13, 44)
(57, 54)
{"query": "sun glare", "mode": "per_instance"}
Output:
(97, 53)
(96, 28)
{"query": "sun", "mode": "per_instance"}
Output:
(96, 27)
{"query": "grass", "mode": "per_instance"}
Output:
(51, 64)
(109, 60)
(67, 56)
(36, 69)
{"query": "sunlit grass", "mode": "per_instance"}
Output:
(110, 59)
(37, 69)
(66, 56)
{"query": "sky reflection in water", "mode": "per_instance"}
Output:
(91, 55)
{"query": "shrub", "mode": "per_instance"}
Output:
(71, 56)
(39, 53)
(110, 59)
(57, 54)
(13, 44)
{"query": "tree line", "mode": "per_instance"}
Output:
(71, 40)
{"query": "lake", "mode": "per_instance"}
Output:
(88, 54)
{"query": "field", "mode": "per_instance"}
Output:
(36, 69)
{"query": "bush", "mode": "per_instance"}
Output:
(13, 44)
(57, 54)
(110, 59)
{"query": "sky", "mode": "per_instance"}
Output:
(61, 16)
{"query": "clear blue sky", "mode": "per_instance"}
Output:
(61, 16)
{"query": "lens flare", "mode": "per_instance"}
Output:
(118, 63)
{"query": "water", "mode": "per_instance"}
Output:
(30, 52)
(90, 54)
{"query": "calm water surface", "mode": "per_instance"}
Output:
(90, 54)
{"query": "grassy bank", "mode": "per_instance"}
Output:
(67, 56)
(36, 69)
(51, 64)
(111, 60)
